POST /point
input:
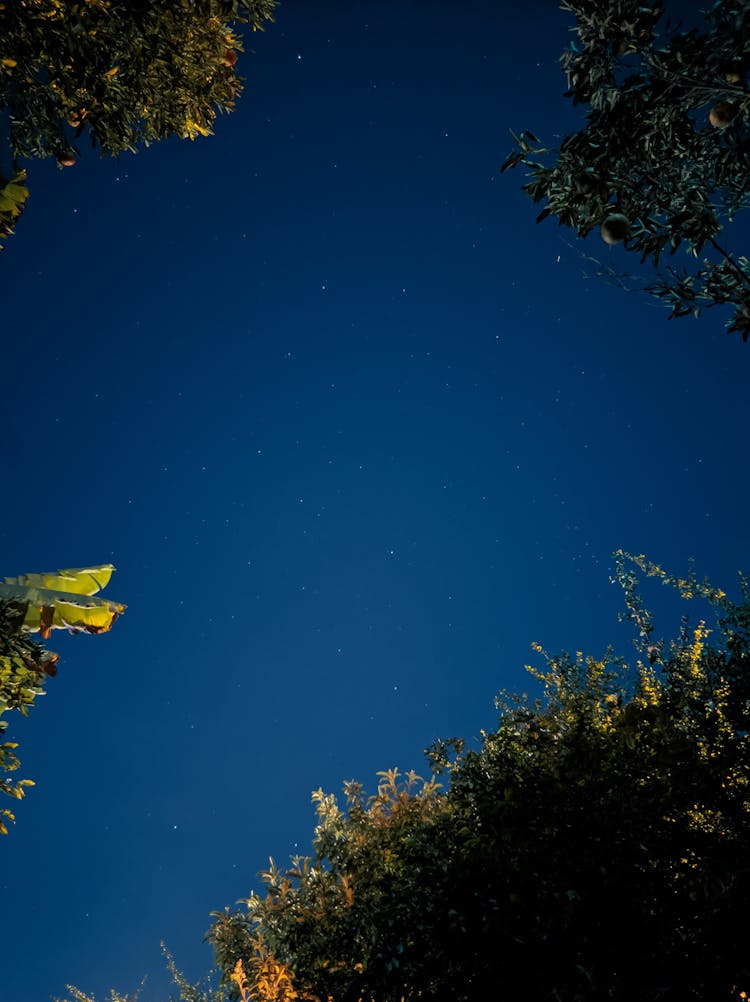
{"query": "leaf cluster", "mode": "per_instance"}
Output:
(76, 995)
(596, 841)
(647, 149)
(13, 195)
(24, 666)
(123, 71)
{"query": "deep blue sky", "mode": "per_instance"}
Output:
(354, 432)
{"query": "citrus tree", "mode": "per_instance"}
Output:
(662, 162)
(40, 603)
(120, 72)
(596, 844)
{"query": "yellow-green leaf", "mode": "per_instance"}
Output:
(47, 608)
(66, 616)
(13, 194)
(77, 580)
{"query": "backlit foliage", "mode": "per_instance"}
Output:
(597, 841)
(122, 72)
(666, 145)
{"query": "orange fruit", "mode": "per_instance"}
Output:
(722, 114)
(615, 228)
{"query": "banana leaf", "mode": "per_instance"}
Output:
(61, 600)
(13, 194)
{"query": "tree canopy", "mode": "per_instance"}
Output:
(595, 845)
(122, 72)
(663, 160)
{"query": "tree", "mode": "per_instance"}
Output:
(595, 845)
(40, 603)
(663, 160)
(123, 71)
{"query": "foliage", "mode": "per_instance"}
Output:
(76, 995)
(24, 663)
(13, 195)
(62, 600)
(202, 992)
(123, 71)
(269, 981)
(319, 911)
(596, 844)
(31, 603)
(666, 144)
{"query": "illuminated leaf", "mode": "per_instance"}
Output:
(13, 196)
(47, 606)
(79, 580)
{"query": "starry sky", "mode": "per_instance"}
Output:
(354, 432)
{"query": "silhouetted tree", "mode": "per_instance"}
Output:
(663, 160)
(123, 71)
(595, 845)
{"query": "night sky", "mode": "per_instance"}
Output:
(354, 432)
